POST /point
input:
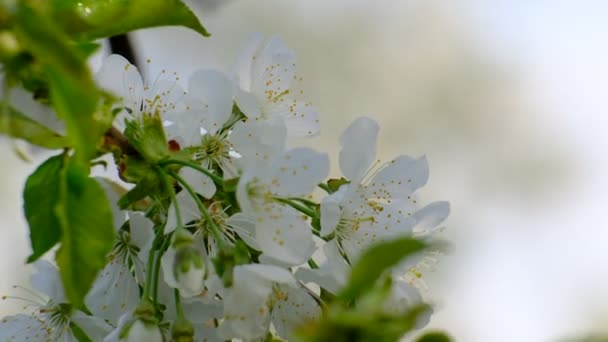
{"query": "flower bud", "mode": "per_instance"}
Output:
(140, 331)
(184, 265)
(182, 331)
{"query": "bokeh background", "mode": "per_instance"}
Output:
(507, 99)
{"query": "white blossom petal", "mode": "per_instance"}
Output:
(293, 307)
(358, 148)
(299, 172)
(214, 89)
(284, 235)
(200, 182)
(114, 292)
(431, 216)
(23, 328)
(188, 209)
(95, 327)
(399, 179)
(47, 280)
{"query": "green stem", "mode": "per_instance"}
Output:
(156, 273)
(150, 279)
(304, 210)
(215, 230)
(178, 306)
(312, 264)
(304, 201)
(216, 179)
(171, 191)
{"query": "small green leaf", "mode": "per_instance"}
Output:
(375, 261)
(41, 195)
(91, 19)
(434, 336)
(87, 232)
(13, 123)
(336, 183)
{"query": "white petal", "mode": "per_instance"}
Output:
(113, 192)
(431, 216)
(387, 223)
(332, 274)
(23, 100)
(300, 170)
(247, 103)
(399, 179)
(114, 292)
(200, 182)
(269, 273)
(47, 280)
(166, 263)
(259, 140)
(284, 235)
(293, 308)
(273, 70)
(245, 226)
(243, 65)
(95, 327)
(185, 127)
(301, 119)
(23, 328)
(122, 79)
(163, 96)
(188, 209)
(139, 332)
(246, 313)
(214, 89)
(331, 213)
(358, 148)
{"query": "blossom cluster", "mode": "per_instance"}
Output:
(247, 231)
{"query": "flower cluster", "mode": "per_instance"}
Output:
(227, 240)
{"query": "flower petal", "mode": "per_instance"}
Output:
(200, 182)
(430, 217)
(47, 280)
(293, 308)
(214, 89)
(358, 148)
(399, 179)
(300, 170)
(284, 235)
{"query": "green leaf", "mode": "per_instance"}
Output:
(375, 261)
(91, 19)
(434, 336)
(41, 195)
(13, 123)
(73, 92)
(335, 183)
(87, 232)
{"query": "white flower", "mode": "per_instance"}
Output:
(370, 210)
(281, 233)
(135, 96)
(208, 106)
(51, 318)
(134, 330)
(141, 331)
(184, 265)
(269, 87)
(116, 290)
(262, 294)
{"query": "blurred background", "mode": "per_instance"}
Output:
(507, 99)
